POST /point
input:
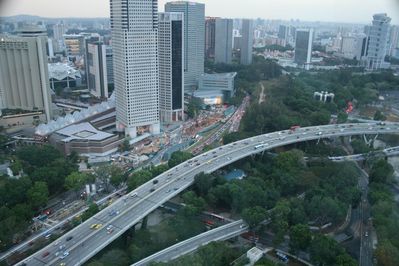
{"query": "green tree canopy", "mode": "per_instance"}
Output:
(178, 157)
(254, 215)
(75, 181)
(38, 194)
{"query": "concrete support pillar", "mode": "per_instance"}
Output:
(155, 129)
(131, 132)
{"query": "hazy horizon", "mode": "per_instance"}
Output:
(344, 11)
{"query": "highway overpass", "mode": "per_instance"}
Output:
(389, 152)
(82, 242)
(218, 234)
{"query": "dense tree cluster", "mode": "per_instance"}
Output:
(140, 177)
(178, 157)
(43, 175)
(385, 213)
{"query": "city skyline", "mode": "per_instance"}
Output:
(305, 10)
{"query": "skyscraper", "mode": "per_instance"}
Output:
(194, 45)
(283, 33)
(24, 82)
(96, 67)
(394, 40)
(377, 44)
(247, 41)
(110, 64)
(171, 70)
(58, 32)
(134, 26)
(74, 44)
(210, 28)
(223, 40)
(303, 47)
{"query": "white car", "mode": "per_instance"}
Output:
(66, 253)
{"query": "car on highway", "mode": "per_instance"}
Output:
(133, 195)
(110, 229)
(62, 264)
(69, 238)
(45, 254)
(366, 234)
(152, 190)
(155, 181)
(64, 255)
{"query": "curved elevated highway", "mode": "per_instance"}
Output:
(221, 233)
(82, 243)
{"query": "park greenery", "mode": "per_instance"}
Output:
(248, 77)
(292, 194)
(289, 99)
(43, 175)
(385, 213)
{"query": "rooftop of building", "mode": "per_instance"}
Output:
(184, 2)
(208, 93)
(255, 252)
(60, 71)
(83, 131)
(220, 75)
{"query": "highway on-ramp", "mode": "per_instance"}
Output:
(82, 242)
(218, 234)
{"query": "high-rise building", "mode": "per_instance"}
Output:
(96, 68)
(24, 82)
(58, 34)
(394, 40)
(352, 47)
(284, 33)
(377, 44)
(303, 47)
(171, 70)
(210, 28)
(247, 41)
(110, 64)
(74, 44)
(224, 41)
(194, 34)
(134, 27)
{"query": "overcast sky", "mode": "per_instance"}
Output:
(310, 10)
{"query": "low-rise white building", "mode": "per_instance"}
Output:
(221, 83)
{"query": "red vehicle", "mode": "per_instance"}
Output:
(47, 212)
(293, 129)
(45, 254)
(209, 222)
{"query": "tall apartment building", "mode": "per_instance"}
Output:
(224, 41)
(210, 28)
(110, 64)
(171, 70)
(58, 33)
(24, 82)
(284, 33)
(246, 41)
(194, 34)
(394, 41)
(377, 44)
(134, 27)
(96, 69)
(303, 47)
(74, 45)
